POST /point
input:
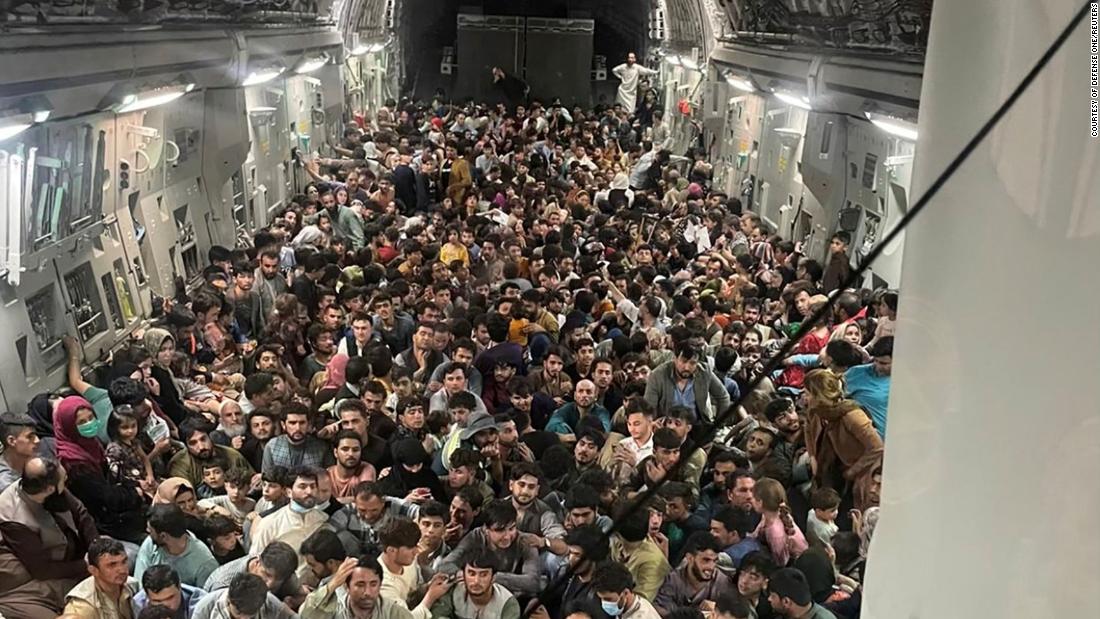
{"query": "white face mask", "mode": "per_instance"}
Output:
(322, 506)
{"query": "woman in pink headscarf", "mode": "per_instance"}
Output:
(334, 378)
(116, 505)
(75, 426)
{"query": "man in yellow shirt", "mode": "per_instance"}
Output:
(632, 547)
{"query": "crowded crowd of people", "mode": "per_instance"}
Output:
(492, 362)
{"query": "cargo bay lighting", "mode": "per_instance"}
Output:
(364, 48)
(795, 100)
(311, 64)
(894, 126)
(689, 63)
(261, 76)
(11, 126)
(19, 118)
(152, 98)
(740, 83)
(673, 60)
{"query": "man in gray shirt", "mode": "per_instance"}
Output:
(246, 596)
(518, 563)
(19, 443)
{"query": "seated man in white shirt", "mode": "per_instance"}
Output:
(639, 445)
(297, 520)
(401, 572)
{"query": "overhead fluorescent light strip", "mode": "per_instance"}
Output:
(797, 101)
(10, 129)
(153, 98)
(260, 77)
(894, 126)
(311, 64)
(740, 83)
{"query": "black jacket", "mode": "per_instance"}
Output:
(117, 506)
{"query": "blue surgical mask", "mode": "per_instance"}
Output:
(611, 609)
(322, 506)
(298, 508)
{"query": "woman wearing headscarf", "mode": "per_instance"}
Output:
(180, 492)
(98, 397)
(117, 506)
(334, 379)
(161, 345)
(41, 409)
(845, 449)
(411, 471)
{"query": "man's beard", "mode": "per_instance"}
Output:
(56, 503)
(232, 431)
(367, 604)
(698, 574)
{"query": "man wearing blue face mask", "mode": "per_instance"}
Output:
(615, 587)
(297, 520)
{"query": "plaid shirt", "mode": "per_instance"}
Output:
(313, 452)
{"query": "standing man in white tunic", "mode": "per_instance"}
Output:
(629, 72)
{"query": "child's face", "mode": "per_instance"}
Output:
(656, 519)
(213, 476)
(127, 430)
(234, 492)
(826, 515)
(226, 543)
(272, 491)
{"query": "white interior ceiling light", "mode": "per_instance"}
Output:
(894, 126)
(311, 64)
(689, 63)
(22, 116)
(740, 83)
(11, 126)
(152, 98)
(364, 48)
(673, 60)
(795, 100)
(263, 75)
